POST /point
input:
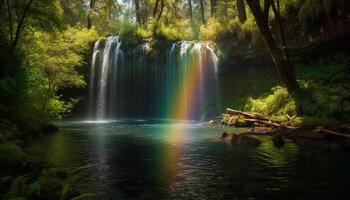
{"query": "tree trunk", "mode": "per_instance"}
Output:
(137, 11)
(190, 9)
(241, 11)
(2, 2)
(20, 26)
(92, 7)
(10, 22)
(155, 8)
(284, 68)
(277, 13)
(213, 4)
(161, 10)
(202, 11)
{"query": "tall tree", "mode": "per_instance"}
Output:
(138, 12)
(161, 9)
(284, 68)
(155, 8)
(213, 4)
(241, 11)
(277, 13)
(190, 9)
(90, 13)
(21, 14)
(16, 28)
(202, 11)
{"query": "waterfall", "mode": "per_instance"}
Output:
(192, 70)
(131, 82)
(94, 63)
(103, 78)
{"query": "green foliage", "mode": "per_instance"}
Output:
(236, 93)
(175, 32)
(52, 62)
(128, 32)
(324, 95)
(18, 187)
(33, 191)
(276, 104)
(50, 185)
(211, 31)
(65, 192)
(45, 186)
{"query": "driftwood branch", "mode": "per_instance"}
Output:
(322, 130)
(253, 118)
(249, 115)
(266, 123)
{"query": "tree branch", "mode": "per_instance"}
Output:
(155, 8)
(20, 26)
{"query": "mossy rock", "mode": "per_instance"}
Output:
(245, 140)
(34, 191)
(68, 192)
(50, 184)
(18, 187)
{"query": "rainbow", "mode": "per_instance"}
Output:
(194, 63)
(191, 64)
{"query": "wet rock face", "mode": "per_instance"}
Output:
(244, 140)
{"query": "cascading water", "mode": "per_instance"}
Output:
(107, 58)
(131, 82)
(192, 74)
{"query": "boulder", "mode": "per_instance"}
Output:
(244, 140)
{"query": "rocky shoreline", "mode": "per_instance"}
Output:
(311, 137)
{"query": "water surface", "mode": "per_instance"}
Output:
(183, 160)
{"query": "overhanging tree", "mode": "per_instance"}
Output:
(277, 52)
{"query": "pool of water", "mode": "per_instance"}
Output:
(184, 160)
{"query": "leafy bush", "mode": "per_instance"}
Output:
(177, 31)
(143, 33)
(127, 32)
(51, 64)
(324, 96)
(278, 103)
(211, 30)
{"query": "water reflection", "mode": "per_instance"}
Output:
(142, 160)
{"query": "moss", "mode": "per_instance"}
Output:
(68, 192)
(11, 154)
(18, 187)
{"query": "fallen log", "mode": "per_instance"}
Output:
(322, 130)
(250, 115)
(263, 122)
